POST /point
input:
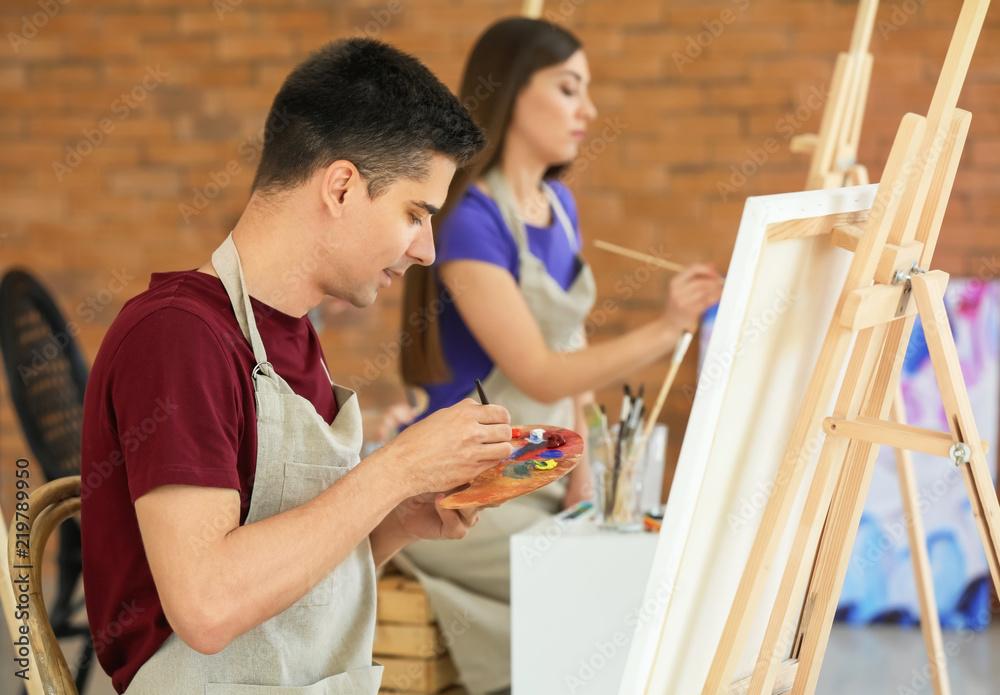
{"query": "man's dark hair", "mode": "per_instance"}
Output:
(370, 104)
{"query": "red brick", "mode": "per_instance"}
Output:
(284, 21)
(596, 41)
(11, 76)
(609, 14)
(665, 99)
(115, 46)
(68, 76)
(732, 96)
(213, 75)
(146, 182)
(43, 46)
(673, 151)
(31, 154)
(210, 23)
(253, 47)
(172, 51)
(139, 24)
(40, 205)
(134, 127)
(705, 68)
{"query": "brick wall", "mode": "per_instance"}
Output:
(174, 93)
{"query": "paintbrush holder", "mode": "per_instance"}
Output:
(618, 486)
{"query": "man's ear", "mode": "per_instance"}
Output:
(341, 184)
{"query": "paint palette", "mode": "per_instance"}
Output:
(531, 466)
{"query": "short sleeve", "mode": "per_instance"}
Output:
(475, 231)
(176, 404)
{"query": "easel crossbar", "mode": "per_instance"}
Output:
(894, 434)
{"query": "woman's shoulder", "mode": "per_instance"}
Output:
(476, 199)
(474, 229)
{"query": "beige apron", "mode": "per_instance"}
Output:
(468, 581)
(321, 645)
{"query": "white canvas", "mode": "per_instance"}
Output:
(776, 306)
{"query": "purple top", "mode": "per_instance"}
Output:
(475, 230)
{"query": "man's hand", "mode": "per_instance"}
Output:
(423, 517)
(448, 448)
(691, 292)
(420, 517)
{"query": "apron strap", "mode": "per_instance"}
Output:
(226, 261)
(560, 212)
(508, 210)
(508, 207)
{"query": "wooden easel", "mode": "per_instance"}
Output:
(835, 150)
(532, 8)
(886, 288)
(834, 165)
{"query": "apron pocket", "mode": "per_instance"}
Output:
(304, 482)
(360, 681)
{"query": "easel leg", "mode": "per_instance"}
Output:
(930, 621)
(781, 628)
(947, 370)
(845, 513)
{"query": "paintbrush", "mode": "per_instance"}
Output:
(621, 439)
(632, 424)
(482, 394)
(675, 362)
(600, 445)
(639, 256)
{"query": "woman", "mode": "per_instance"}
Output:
(506, 302)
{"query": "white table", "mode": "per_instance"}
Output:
(576, 596)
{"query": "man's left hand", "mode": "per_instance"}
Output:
(423, 517)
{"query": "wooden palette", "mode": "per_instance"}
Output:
(529, 468)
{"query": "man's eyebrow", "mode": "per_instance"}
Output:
(431, 209)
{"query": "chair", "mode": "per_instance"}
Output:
(48, 506)
(47, 376)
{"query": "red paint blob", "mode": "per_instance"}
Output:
(554, 439)
(515, 433)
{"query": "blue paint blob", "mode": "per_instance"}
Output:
(550, 454)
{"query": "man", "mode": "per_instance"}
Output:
(229, 539)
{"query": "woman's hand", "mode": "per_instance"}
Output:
(393, 419)
(692, 291)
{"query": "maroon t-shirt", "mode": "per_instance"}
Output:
(170, 402)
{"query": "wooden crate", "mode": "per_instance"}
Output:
(403, 600)
(403, 675)
(400, 639)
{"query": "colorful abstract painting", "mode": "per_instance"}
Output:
(532, 465)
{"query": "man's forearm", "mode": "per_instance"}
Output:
(215, 585)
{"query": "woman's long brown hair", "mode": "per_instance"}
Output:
(502, 63)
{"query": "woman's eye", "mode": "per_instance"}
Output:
(416, 220)
(567, 91)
